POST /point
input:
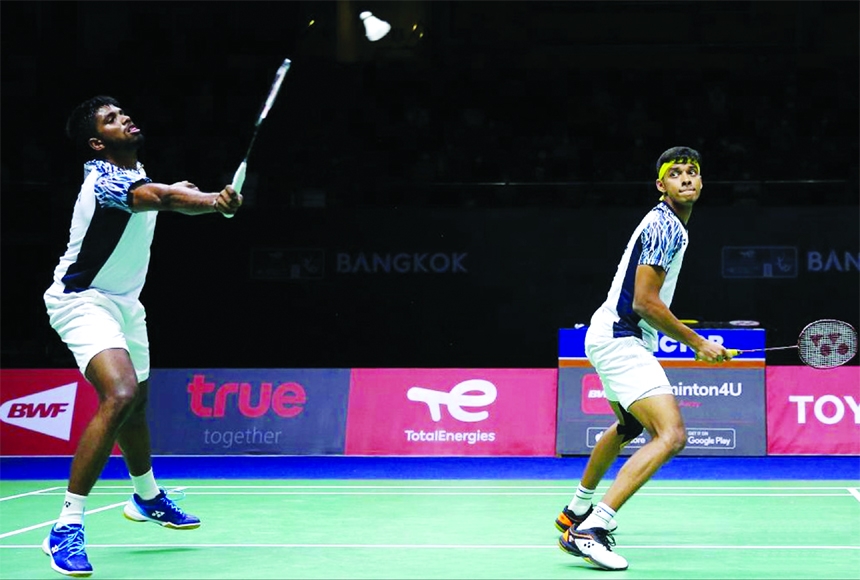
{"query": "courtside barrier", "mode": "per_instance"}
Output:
(238, 411)
(44, 411)
(723, 405)
(452, 412)
(813, 412)
(438, 412)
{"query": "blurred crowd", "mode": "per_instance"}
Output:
(370, 130)
(574, 128)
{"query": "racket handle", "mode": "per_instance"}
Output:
(238, 182)
(733, 352)
(239, 177)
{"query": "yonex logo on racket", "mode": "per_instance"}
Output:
(456, 399)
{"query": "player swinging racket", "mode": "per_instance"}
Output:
(619, 343)
(93, 305)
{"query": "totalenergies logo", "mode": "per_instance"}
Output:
(457, 398)
(286, 400)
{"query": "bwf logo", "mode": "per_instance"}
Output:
(49, 412)
(456, 399)
(593, 401)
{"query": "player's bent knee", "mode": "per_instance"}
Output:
(630, 429)
(676, 440)
(122, 399)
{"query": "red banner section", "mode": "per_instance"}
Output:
(813, 412)
(594, 400)
(452, 412)
(44, 411)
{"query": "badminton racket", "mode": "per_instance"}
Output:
(822, 344)
(239, 176)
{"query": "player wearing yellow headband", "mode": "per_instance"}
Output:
(620, 344)
(679, 179)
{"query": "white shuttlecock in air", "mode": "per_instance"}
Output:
(374, 28)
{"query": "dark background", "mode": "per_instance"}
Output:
(523, 133)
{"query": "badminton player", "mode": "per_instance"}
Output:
(619, 343)
(94, 307)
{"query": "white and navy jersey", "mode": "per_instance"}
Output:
(660, 239)
(109, 245)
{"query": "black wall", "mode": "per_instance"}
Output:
(437, 287)
(521, 134)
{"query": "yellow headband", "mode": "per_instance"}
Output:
(665, 167)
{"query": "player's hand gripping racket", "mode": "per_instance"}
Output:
(823, 344)
(239, 176)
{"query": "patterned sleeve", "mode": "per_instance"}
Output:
(660, 242)
(113, 189)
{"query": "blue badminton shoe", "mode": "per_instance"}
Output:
(67, 548)
(160, 510)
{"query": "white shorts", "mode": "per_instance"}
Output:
(90, 322)
(628, 370)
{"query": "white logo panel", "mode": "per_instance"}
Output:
(49, 412)
(456, 399)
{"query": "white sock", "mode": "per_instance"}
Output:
(73, 509)
(599, 518)
(581, 500)
(145, 486)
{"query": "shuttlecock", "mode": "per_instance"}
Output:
(373, 26)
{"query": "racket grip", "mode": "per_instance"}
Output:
(238, 182)
(239, 177)
(733, 352)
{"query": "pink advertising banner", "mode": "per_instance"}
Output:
(452, 412)
(813, 412)
(44, 411)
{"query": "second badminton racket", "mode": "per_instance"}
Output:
(822, 344)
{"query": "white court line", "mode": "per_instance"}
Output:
(764, 494)
(46, 491)
(549, 546)
(51, 522)
(197, 491)
(478, 487)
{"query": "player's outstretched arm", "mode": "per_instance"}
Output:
(184, 197)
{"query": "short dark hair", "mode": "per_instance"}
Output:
(682, 154)
(81, 124)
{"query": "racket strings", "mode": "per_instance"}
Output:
(826, 344)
